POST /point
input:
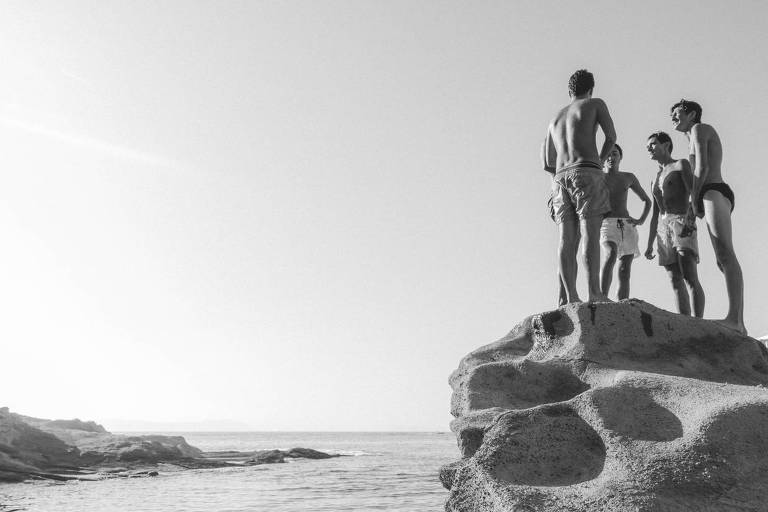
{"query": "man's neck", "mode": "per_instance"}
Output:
(665, 161)
(688, 131)
(612, 170)
(580, 97)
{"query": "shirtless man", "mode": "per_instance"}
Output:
(673, 225)
(713, 200)
(580, 195)
(562, 298)
(618, 234)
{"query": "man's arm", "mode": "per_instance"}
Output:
(606, 124)
(654, 225)
(700, 135)
(637, 189)
(688, 182)
(548, 153)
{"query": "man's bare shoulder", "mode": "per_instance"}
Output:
(681, 164)
(563, 112)
(628, 177)
(596, 101)
(702, 131)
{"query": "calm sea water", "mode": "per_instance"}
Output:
(383, 471)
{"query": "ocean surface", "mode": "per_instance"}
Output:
(381, 471)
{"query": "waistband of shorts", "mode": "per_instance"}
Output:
(675, 216)
(581, 166)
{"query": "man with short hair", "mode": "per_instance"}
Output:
(618, 234)
(580, 195)
(673, 225)
(713, 200)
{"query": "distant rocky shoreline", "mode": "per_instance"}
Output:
(41, 449)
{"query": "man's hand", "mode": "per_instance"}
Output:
(694, 211)
(649, 253)
(690, 222)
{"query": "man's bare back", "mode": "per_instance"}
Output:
(579, 193)
(572, 133)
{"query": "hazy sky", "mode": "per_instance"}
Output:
(302, 214)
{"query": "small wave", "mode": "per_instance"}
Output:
(351, 453)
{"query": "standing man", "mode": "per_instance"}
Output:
(618, 234)
(713, 200)
(673, 225)
(580, 195)
(562, 298)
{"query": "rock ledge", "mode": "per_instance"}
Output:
(611, 407)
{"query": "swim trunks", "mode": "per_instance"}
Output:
(673, 235)
(621, 233)
(719, 187)
(579, 191)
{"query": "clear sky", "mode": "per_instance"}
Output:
(300, 215)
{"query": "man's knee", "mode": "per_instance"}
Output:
(676, 278)
(725, 257)
(610, 250)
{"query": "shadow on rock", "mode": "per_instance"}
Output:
(546, 446)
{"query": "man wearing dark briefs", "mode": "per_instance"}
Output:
(713, 199)
(580, 195)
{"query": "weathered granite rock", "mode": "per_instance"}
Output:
(611, 407)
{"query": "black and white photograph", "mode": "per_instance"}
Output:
(383, 255)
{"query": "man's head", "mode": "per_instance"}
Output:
(582, 82)
(614, 158)
(685, 114)
(659, 145)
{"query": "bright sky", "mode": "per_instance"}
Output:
(300, 215)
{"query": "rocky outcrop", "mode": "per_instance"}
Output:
(75, 449)
(611, 407)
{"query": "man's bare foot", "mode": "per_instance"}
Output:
(599, 298)
(732, 325)
(575, 300)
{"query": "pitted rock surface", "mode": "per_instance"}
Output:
(611, 407)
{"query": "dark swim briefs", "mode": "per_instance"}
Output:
(724, 189)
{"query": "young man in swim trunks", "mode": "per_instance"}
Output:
(713, 200)
(580, 195)
(673, 224)
(618, 234)
(562, 298)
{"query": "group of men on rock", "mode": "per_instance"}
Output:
(589, 201)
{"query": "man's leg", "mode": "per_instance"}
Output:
(608, 250)
(675, 274)
(562, 297)
(717, 212)
(590, 228)
(691, 276)
(625, 269)
(569, 240)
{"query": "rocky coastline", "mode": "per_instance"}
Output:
(41, 449)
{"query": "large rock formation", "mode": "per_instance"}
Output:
(611, 407)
